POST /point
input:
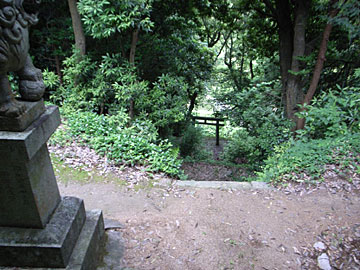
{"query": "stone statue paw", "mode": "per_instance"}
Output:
(31, 85)
(32, 90)
(12, 109)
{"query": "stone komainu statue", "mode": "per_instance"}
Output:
(14, 57)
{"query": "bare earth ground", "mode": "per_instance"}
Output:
(203, 171)
(170, 228)
(215, 229)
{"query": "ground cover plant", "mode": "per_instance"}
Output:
(331, 137)
(110, 136)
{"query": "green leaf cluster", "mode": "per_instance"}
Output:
(306, 160)
(331, 136)
(110, 136)
(103, 18)
(332, 114)
(260, 124)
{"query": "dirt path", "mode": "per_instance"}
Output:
(213, 229)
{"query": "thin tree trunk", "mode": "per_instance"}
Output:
(134, 40)
(294, 92)
(251, 70)
(285, 25)
(192, 104)
(318, 66)
(80, 42)
(58, 69)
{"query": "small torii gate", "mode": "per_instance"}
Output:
(211, 121)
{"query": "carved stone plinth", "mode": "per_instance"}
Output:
(38, 228)
(29, 193)
(20, 123)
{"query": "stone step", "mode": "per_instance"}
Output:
(88, 248)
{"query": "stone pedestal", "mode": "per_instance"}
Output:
(33, 111)
(38, 228)
(29, 193)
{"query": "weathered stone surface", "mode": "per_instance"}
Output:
(32, 111)
(38, 229)
(114, 252)
(14, 57)
(33, 138)
(111, 224)
(214, 184)
(223, 184)
(29, 193)
(48, 247)
(88, 249)
(260, 185)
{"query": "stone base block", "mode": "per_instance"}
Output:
(50, 247)
(32, 112)
(90, 246)
(29, 193)
(88, 249)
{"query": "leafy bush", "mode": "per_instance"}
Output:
(331, 136)
(166, 102)
(110, 136)
(295, 159)
(262, 124)
(241, 146)
(51, 80)
(98, 85)
(190, 141)
(332, 114)
(108, 85)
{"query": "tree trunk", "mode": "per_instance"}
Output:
(285, 31)
(319, 65)
(192, 104)
(294, 92)
(58, 69)
(251, 70)
(134, 40)
(80, 42)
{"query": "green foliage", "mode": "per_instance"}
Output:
(110, 136)
(108, 85)
(348, 17)
(51, 80)
(332, 114)
(299, 160)
(331, 136)
(103, 18)
(243, 148)
(98, 86)
(51, 39)
(262, 125)
(190, 141)
(166, 102)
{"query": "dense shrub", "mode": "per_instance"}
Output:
(295, 159)
(190, 141)
(109, 84)
(260, 124)
(331, 136)
(109, 135)
(332, 114)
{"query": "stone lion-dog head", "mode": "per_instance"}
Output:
(14, 57)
